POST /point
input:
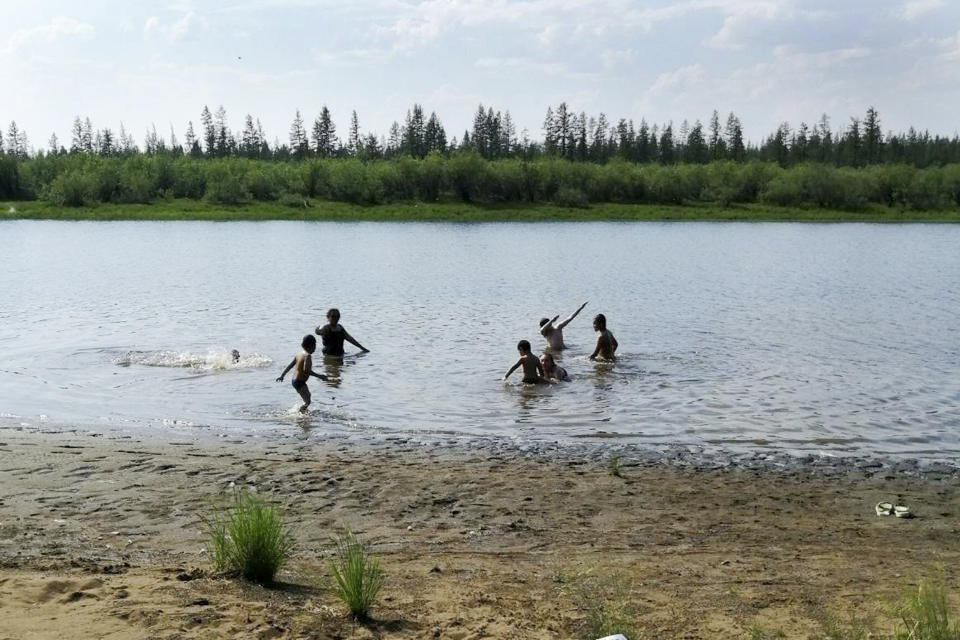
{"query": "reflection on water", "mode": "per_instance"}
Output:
(811, 338)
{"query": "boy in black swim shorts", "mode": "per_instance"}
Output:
(304, 364)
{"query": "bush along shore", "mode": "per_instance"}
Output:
(463, 185)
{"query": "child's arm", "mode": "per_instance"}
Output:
(543, 329)
(349, 338)
(317, 375)
(614, 342)
(289, 366)
(512, 369)
(539, 367)
(572, 316)
(596, 352)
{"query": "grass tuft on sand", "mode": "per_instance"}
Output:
(248, 536)
(357, 575)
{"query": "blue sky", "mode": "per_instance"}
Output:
(768, 61)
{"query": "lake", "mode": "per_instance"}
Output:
(836, 339)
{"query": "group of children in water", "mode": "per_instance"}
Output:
(535, 370)
(544, 369)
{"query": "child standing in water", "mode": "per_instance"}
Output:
(333, 334)
(304, 369)
(606, 343)
(551, 370)
(532, 369)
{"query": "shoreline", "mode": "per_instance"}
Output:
(597, 449)
(101, 536)
(319, 210)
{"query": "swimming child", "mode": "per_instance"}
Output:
(606, 343)
(304, 369)
(554, 333)
(551, 369)
(532, 369)
(235, 355)
(333, 334)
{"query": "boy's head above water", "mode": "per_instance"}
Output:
(599, 322)
(309, 343)
(523, 346)
(544, 321)
(333, 315)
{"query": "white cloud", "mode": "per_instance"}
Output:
(916, 8)
(681, 78)
(59, 27)
(615, 57)
(176, 30)
(527, 65)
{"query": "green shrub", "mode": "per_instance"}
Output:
(9, 177)
(262, 184)
(571, 197)
(293, 200)
(357, 574)
(189, 179)
(249, 537)
(926, 190)
(225, 186)
(72, 189)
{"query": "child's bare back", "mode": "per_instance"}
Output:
(532, 368)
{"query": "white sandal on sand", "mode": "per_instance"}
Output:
(884, 508)
(902, 511)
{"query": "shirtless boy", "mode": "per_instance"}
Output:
(532, 369)
(606, 343)
(304, 369)
(551, 370)
(554, 333)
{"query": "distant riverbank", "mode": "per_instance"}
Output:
(309, 209)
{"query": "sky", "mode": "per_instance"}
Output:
(769, 61)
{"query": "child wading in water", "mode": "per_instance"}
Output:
(333, 334)
(551, 369)
(304, 364)
(532, 369)
(606, 343)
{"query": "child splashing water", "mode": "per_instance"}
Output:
(304, 369)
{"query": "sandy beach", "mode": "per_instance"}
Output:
(101, 536)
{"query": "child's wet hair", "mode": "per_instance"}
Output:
(547, 356)
(308, 342)
(600, 320)
(523, 345)
(544, 321)
(333, 312)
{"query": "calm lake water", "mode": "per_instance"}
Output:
(839, 339)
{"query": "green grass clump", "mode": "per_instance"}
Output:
(615, 466)
(249, 537)
(603, 602)
(925, 614)
(357, 574)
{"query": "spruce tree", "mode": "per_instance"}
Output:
(209, 133)
(298, 137)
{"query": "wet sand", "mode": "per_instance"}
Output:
(101, 537)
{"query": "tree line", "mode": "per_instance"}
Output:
(87, 179)
(579, 160)
(493, 135)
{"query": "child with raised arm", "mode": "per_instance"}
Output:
(304, 369)
(554, 333)
(532, 369)
(606, 343)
